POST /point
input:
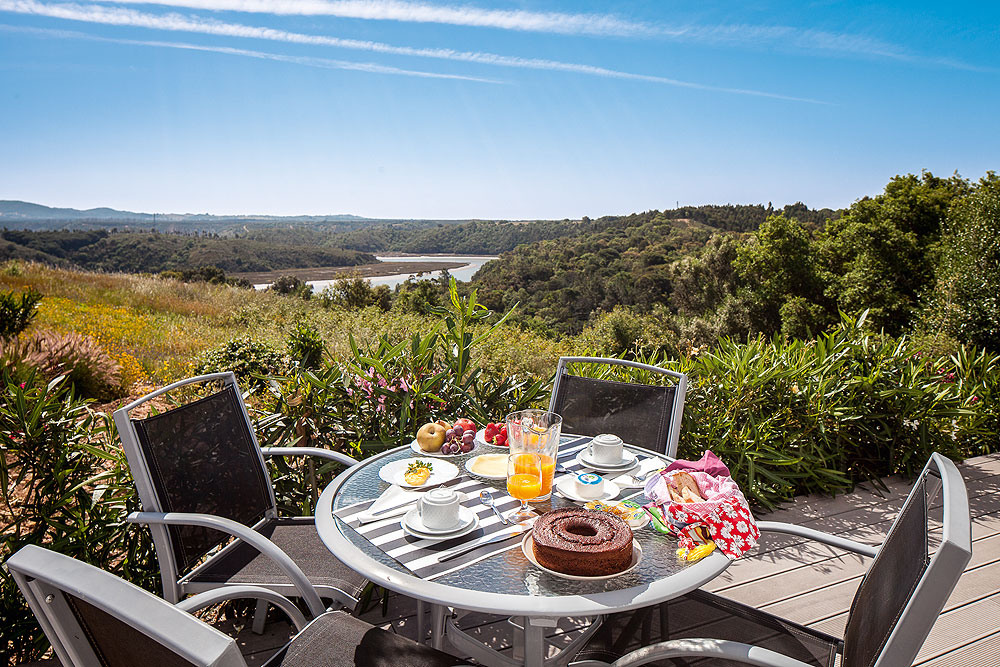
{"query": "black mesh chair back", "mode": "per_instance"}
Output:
(202, 457)
(908, 582)
(638, 414)
(118, 644)
(92, 617)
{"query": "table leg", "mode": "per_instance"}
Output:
(437, 626)
(534, 644)
(421, 623)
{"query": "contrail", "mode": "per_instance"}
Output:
(178, 22)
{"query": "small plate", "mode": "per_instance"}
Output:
(564, 485)
(441, 472)
(438, 455)
(627, 464)
(413, 525)
(527, 547)
(470, 462)
(481, 440)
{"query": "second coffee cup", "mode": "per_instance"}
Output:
(606, 449)
(438, 508)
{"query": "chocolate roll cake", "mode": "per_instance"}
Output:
(582, 542)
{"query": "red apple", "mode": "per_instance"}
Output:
(466, 424)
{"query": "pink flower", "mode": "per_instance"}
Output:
(21, 385)
(974, 399)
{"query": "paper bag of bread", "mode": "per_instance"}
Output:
(704, 508)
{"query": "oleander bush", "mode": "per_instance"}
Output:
(17, 310)
(818, 416)
(65, 485)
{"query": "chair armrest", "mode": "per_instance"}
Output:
(309, 451)
(215, 596)
(825, 538)
(707, 648)
(248, 535)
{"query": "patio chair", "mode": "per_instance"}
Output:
(201, 477)
(640, 414)
(94, 619)
(899, 598)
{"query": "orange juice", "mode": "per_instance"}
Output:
(527, 465)
(524, 486)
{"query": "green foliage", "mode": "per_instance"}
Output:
(305, 345)
(355, 292)
(291, 286)
(965, 303)
(136, 252)
(206, 274)
(17, 311)
(245, 356)
(65, 486)
(626, 330)
(91, 370)
(880, 255)
(417, 296)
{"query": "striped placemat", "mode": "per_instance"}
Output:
(419, 556)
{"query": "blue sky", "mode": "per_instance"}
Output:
(516, 110)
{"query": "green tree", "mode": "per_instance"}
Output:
(779, 266)
(965, 303)
(880, 255)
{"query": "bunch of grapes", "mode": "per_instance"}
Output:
(458, 441)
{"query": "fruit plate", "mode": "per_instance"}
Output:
(441, 472)
(438, 455)
(481, 440)
(528, 549)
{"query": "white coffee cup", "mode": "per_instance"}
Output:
(438, 508)
(606, 449)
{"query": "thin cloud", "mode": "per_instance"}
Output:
(323, 63)
(416, 12)
(778, 37)
(178, 22)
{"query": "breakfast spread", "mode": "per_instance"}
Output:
(582, 542)
(417, 473)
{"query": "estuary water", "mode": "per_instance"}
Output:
(472, 264)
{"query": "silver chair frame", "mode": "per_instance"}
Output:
(680, 391)
(918, 616)
(176, 586)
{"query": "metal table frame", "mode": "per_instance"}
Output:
(538, 612)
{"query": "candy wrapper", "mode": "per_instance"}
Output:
(629, 511)
(722, 517)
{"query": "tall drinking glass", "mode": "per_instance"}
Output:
(536, 432)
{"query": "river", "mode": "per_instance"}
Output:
(462, 273)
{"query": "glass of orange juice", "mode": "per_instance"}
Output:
(536, 432)
(524, 482)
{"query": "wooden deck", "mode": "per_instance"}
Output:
(805, 582)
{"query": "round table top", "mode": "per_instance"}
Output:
(507, 583)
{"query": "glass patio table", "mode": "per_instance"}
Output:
(506, 583)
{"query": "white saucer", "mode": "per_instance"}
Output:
(438, 455)
(626, 463)
(564, 485)
(441, 472)
(527, 548)
(468, 521)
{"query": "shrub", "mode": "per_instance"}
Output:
(88, 366)
(248, 358)
(292, 286)
(305, 345)
(65, 486)
(354, 292)
(17, 311)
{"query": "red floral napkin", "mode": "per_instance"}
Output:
(725, 513)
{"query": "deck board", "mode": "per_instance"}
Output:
(814, 584)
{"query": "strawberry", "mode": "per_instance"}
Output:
(492, 430)
(500, 440)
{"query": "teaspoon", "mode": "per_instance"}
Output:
(486, 498)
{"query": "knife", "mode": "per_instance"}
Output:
(505, 534)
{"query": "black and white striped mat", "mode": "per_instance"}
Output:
(419, 556)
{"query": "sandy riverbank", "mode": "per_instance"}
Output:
(334, 272)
